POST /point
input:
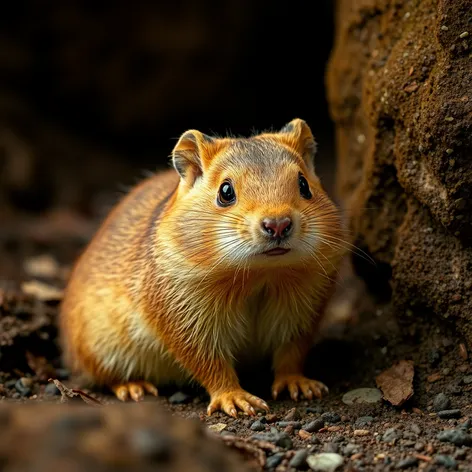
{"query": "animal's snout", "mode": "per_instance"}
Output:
(277, 228)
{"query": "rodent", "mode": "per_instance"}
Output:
(231, 254)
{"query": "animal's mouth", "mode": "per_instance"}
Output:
(278, 251)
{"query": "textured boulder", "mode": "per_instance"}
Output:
(113, 438)
(400, 92)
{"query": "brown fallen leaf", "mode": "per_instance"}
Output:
(67, 393)
(41, 291)
(396, 382)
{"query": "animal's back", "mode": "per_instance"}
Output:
(101, 300)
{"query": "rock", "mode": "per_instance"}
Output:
(218, 427)
(363, 421)
(274, 460)
(434, 357)
(293, 424)
(292, 415)
(298, 461)
(179, 398)
(51, 390)
(419, 446)
(314, 426)
(350, 449)
(22, 389)
(390, 435)
(460, 454)
(446, 461)
(361, 432)
(281, 439)
(315, 409)
(304, 435)
(467, 379)
(407, 463)
(257, 426)
(331, 417)
(331, 447)
(271, 418)
(325, 462)
(362, 395)
(415, 428)
(448, 414)
(412, 166)
(455, 436)
(441, 402)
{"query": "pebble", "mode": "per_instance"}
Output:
(23, 386)
(314, 440)
(257, 426)
(51, 390)
(362, 395)
(316, 409)
(363, 421)
(304, 435)
(293, 424)
(455, 436)
(407, 463)
(331, 417)
(446, 461)
(415, 428)
(350, 449)
(441, 402)
(448, 414)
(434, 357)
(390, 435)
(298, 461)
(218, 427)
(278, 438)
(467, 379)
(361, 432)
(419, 446)
(150, 444)
(325, 462)
(179, 398)
(331, 447)
(274, 460)
(292, 415)
(271, 418)
(460, 454)
(314, 426)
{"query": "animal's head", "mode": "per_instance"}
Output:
(253, 202)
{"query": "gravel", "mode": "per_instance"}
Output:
(278, 438)
(363, 421)
(455, 436)
(179, 398)
(449, 414)
(258, 426)
(274, 460)
(407, 463)
(325, 462)
(298, 461)
(446, 461)
(314, 426)
(390, 435)
(331, 417)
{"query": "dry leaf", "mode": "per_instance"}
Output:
(41, 290)
(396, 383)
(67, 393)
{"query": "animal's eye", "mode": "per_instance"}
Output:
(304, 187)
(226, 194)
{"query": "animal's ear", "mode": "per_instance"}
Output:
(297, 134)
(190, 154)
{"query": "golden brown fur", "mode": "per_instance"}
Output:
(174, 287)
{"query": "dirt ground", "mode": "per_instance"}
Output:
(365, 436)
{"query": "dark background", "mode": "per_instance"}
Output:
(92, 94)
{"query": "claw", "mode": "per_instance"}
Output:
(297, 384)
(230, 401)
(135, 390)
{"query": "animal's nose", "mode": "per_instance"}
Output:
(277, 228)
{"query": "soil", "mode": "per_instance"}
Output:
(352, 352)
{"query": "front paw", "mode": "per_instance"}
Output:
(295, 384)
(230, 401)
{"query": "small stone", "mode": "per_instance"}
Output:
(467, 379)
(316, 409)
(434, 357)
(304, 435)
(274, 460)
(298, 461)
(362, 395)
(21, 388)
(51, 390)
(325, 462)
(419, 446)
(350, 449)
(314, 426)
(218, 427)
(441, 402)
(448, 414)
(460, 454)
(289, 429)
(314, 440)
(455, 436)
(271, 418)
(331, 417)
(293, 424)
(257, 426)
(361, 432)
(292, 415)
(363, 421)
(281, 439)
(390, 435)
(179, 398)
(407, 463)
(331, 447)
(446, 461)
(464, 35)
(415, 428)
(151, 444)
